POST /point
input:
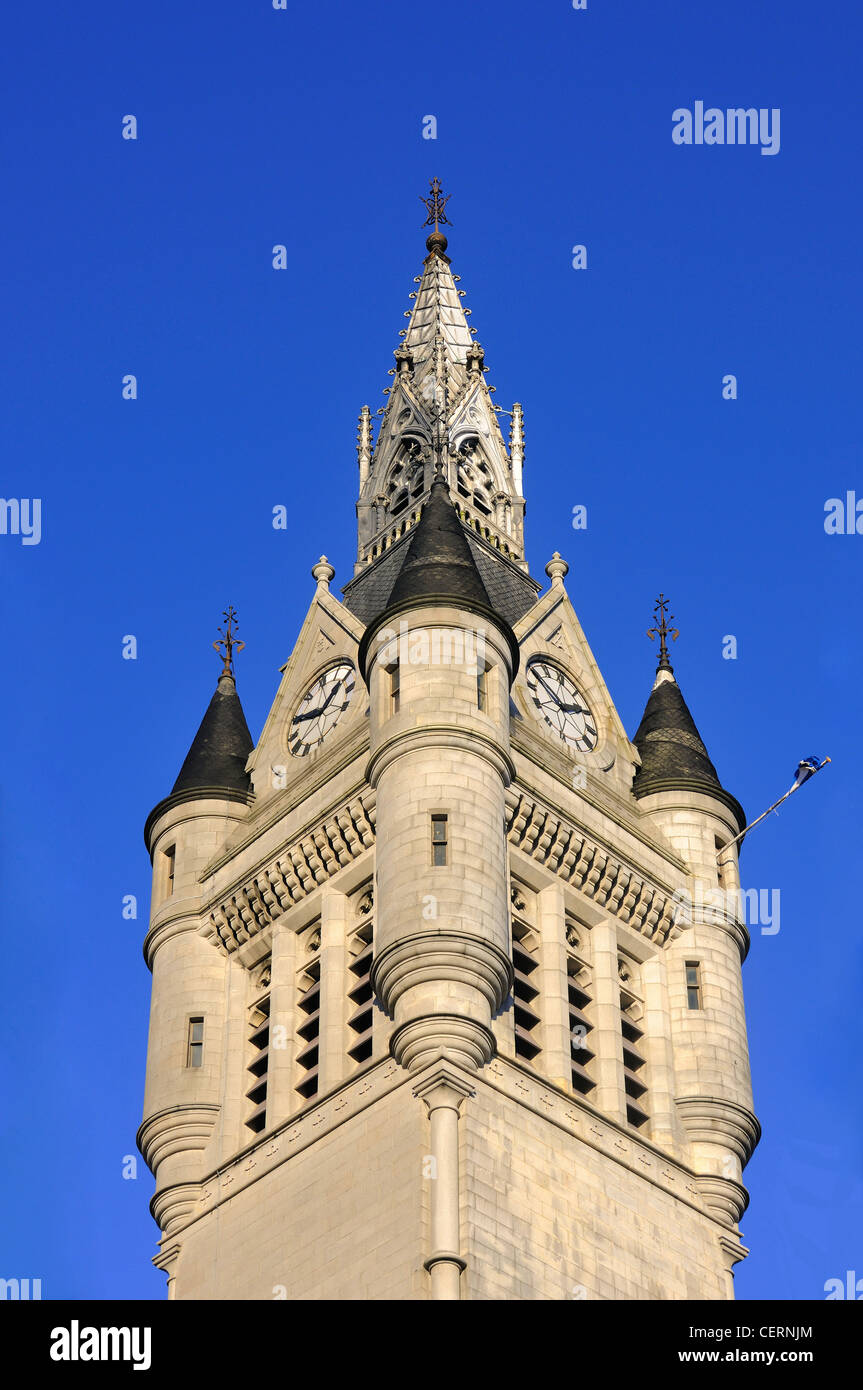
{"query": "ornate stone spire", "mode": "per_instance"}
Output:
(439, 418)
(364, 444)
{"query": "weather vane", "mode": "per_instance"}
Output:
(662, 631)
(228, 642)
(435, 206)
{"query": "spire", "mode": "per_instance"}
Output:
(221, 747)
(439, 561)
(672, 751)
(516, 446)
(364, 444)
(439, 418)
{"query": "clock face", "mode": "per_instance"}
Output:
(561, 705)
(321, 708)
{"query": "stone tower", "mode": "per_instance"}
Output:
(445, 1002)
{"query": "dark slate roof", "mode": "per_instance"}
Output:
(510, 591)
(439, 560)
(220, 748)
(367, 594)
(672, 751)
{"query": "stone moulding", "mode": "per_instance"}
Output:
(179, 1129)
(314, 857)
(713, 1120)
(545, 835)
(548, 838)
(426, 956)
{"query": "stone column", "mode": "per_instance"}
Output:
(610, 1096)
(282, 1099)
(333, 1045)
(444, 1092)
(233, 1132)
(659, 1056)
(553, 999)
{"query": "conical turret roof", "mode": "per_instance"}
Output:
(221, 747)
(215, 765)
(439, 562)
(673, 753)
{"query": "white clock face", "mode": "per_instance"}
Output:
(321, 708)
(561, 705)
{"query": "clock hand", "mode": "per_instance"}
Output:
(546, 687)
(330, 696)
(313, 713)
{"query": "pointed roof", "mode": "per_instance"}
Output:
(438, 560)
(673, 754)
(215, 765)
(438, 314)
(439, 413)
(220, 748)
(438, 568)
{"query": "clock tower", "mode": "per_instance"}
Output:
(445, 1002)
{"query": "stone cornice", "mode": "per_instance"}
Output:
(532, 746)
(220, 794)
(313, 856)
(630, 894)
(267, 813)
(449, 736)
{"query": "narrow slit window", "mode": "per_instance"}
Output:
(482, 690)
(395, 689)
(440, 843)
(693, 984)
(195, 1049)
(170, 861)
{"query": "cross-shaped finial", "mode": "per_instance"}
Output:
(435, 206)
(663, 631)
(228, 642)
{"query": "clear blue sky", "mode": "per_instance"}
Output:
(153, 257)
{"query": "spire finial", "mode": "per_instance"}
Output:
(229, 641)
(662, 630)
(435, 206)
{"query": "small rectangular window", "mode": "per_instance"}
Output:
(693, 985)
(395, 690)
(170, 860)
(195, 1051)
(482, 690)
(439, 840)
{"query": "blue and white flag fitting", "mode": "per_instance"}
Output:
(806, 768)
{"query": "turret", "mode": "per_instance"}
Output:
(439, 663)
(187, 1011)
(678, 786)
